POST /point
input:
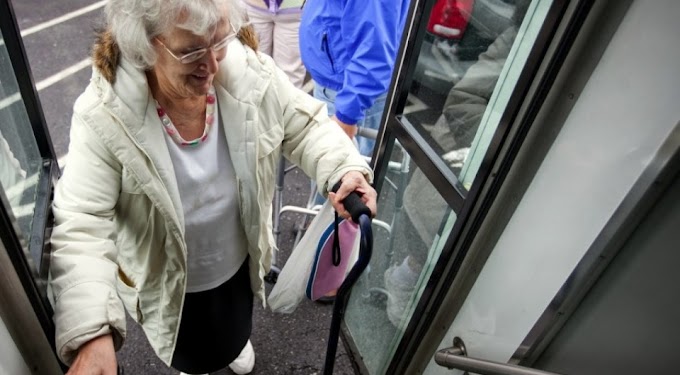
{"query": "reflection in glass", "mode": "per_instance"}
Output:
(20, 159)
(411, 217)
(458, 71)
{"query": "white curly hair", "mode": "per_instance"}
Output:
(134, 23)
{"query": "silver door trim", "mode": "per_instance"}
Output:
(456, 357)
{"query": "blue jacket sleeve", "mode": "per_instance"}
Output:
(372, 32)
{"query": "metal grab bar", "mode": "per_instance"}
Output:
(456, 357)
(367, 133)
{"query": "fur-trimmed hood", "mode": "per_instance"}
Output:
(106, 54)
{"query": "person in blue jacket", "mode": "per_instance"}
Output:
(349, 48)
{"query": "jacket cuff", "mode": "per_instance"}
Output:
(69, 351)
(346, 119)
(84, 324)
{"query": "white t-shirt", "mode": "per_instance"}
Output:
(216, 242)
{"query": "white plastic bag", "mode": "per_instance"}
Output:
(313, 252)
(290, 286)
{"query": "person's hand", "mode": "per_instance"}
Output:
(354, 181)
(95, 357)
(349, 129)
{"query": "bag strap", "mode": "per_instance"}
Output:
(337, 256)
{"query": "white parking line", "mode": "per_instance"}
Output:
(73, 69)
(63, 18)
(47, 82)
(9, 100)
(60, 19)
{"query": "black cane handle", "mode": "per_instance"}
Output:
(353, 204)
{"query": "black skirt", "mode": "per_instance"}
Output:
(215, 326)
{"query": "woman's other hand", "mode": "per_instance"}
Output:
(96, 357)
(354, 181)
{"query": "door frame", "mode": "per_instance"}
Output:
(24, 286)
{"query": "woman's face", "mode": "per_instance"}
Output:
(195, 78)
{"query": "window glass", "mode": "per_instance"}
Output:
(407, 243)
(20, 161)
(462, 61)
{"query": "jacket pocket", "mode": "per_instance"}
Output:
(325, 47)
(129, 295)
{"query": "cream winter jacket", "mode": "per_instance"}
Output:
(119, 235)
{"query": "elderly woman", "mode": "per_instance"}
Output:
(164, 208)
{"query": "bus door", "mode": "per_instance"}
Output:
(28, 170)
(527, 169)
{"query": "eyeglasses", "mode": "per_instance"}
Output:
(197, 54)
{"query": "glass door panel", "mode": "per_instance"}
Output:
(511, 50)
(465, 79)
(20, 159)
(460, 93)
(412, 218)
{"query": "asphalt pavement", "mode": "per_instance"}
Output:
(57, 37)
